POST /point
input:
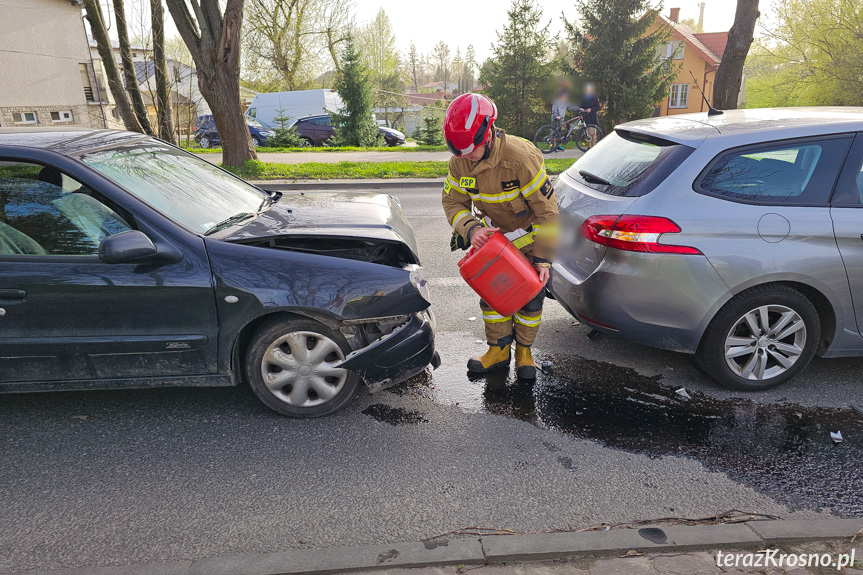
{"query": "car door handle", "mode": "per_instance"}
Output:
(13, 294)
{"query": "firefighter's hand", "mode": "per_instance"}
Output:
(480, 236)
(543, 274)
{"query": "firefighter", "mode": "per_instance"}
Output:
(498, 182)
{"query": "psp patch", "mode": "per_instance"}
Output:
(509, 186)
(546, 189)
(446, 187)
(467, 182)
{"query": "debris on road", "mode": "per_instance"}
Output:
(473, 318)
(683, 393)
(856, 408)
(836, 436)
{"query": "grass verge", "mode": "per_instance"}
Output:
(263, 150)
(255, 170)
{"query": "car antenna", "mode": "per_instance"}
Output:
(711, 111)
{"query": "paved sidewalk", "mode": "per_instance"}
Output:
(396, 156)
(660, 550)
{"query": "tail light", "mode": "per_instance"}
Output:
(634, 233)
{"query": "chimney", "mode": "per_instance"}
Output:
(674, 16)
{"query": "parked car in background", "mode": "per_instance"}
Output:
(126, 262)
(315, 130)
(206, 134)
(736, 237)
(297, 104)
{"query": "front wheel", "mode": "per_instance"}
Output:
(760, 339)
(204, 142)
(255, 141)
(291, 367)
(547, 139)
(306, 143)
(588, 136)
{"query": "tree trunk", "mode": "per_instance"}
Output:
(115, 84)
(160, 71)
(730, 74)
(132, 85)
(214, 42)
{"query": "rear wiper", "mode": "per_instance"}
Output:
(236, 218)
(593, 178)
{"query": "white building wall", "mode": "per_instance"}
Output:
(42, 43)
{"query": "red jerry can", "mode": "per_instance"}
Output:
(501, 275)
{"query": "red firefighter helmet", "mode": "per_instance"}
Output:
(468, 123)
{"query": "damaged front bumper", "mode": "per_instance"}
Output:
(405, 352)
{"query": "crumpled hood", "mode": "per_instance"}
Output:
(361, 215)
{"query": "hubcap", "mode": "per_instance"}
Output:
(765, 342)
(299, 369)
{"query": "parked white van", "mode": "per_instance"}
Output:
(298, 104)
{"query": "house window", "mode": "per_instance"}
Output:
(679, 97)
(93, 79)
(670, 50)
(62, 116)
(25, 118)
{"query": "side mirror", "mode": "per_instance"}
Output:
(126, 247)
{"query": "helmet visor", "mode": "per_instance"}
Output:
(478, 139)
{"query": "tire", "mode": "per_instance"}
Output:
(306, 143)
(547, 139)
(760, 360)
(204, 142)
(582, 137)
(255, 141)
(276, 349)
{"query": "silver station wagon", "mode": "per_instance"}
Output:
(737, 237)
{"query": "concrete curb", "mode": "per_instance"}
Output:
(371, 184)
(474, 550)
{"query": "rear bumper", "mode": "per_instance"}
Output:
(659, 300)
(402, 354)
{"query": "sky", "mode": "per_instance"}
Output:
(463, 22)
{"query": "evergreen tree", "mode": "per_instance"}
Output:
(285, 135)
(355, 122)
(431, 132)
(613, 49)
(514, 74)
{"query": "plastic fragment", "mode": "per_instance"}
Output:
(473, 318)
(836, 436)
(682, 393)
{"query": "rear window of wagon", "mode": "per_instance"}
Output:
(628, 163)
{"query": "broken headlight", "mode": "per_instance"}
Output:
(419, 281)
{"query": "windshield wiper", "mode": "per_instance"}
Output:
(236, 218)
(593, 178)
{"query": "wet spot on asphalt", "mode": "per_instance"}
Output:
(783, 450)
(394, 415)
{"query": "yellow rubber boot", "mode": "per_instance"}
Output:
(524, 366)
(497, 357)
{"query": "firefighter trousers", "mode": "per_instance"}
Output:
(522, 326)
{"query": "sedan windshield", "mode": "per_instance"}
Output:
(188, 190)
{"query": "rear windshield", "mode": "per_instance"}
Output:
(628, 164)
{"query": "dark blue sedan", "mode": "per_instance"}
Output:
(207, 136)
(128, 263)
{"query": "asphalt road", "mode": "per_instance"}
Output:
(99, 478)
(335, 157)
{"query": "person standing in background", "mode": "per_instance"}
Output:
(591, 105)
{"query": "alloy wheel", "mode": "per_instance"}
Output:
(765, 342)
(299, 369)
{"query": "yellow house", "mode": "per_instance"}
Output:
(698, 55)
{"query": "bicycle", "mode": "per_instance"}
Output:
(549, 138)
